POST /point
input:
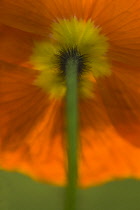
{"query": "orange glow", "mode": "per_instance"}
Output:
(32, 128)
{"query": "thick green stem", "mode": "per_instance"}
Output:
(72, 132)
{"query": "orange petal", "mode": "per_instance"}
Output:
(26, 15)
(121, 96)
(30, 127)
(16, 93)
(32, 130)
(105, 153)
(36, 16)
(120, 22)
(16, 45)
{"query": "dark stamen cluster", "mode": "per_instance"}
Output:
(71, 53)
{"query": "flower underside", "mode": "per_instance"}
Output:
(74, 39)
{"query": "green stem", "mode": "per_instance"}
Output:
(72, 132)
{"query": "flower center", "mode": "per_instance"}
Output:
(75, 39)
(71, 53)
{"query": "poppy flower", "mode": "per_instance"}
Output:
(32, 125)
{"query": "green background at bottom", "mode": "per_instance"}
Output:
(18, 192)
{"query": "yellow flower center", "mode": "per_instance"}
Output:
(71, 39)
